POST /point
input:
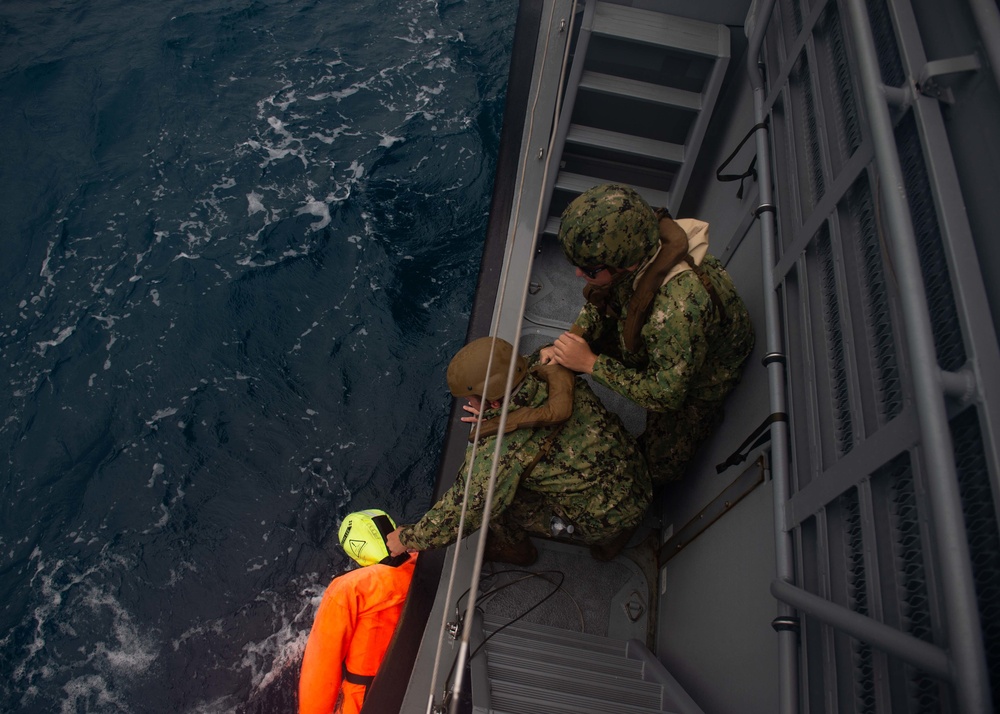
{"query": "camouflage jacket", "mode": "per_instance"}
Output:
(594, 474)
(688, 351)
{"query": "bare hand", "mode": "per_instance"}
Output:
(547, 355)
(573, 352)
(473, 407)
(393, 543)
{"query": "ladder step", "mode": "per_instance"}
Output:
(503, 653)
(509, 698)
(624, 143)
(644, 91)
(576, 183)
(556, 636)
(557, 684)
(656, 28)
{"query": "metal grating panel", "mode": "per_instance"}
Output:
(835, 344)
(921, 692)
(940, 296)
(859, 221)
(980, 513)
(861, 673)
(873, 490)
(885, 44)
(810, 171)
(831, 53)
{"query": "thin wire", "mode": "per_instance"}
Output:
(477, 568)
(488, 504)
(540, 574)
(528, 576)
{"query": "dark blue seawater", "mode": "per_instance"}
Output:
(240, 243)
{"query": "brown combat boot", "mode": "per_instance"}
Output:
(521, 553)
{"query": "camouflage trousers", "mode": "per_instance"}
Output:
(672, 438)
(531, 514)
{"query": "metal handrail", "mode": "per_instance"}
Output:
(964, 663)
(988, 21)
(908, 648)
(788, 681)
(959, 598)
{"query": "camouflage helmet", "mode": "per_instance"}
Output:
(610, 225)
(467, 370)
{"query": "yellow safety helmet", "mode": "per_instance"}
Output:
(362, 535)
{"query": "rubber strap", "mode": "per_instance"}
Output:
(759, 437)
(359, 679)
(751, 171)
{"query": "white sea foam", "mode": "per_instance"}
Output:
(317, 208)
(158, 470)
(81, 603)
(254, 203)
(59, 339)
(161, 414)
(283, 649)
(389, 140)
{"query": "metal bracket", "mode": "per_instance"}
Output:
(929, 81)
(960, 385)
(780, 624)
(746, 482)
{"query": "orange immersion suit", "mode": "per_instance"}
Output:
(352, 630)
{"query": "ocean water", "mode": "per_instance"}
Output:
(240, 244)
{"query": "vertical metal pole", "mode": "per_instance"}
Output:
(965, 640)
(988, 20)
(788, 635)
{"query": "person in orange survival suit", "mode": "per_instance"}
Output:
(356, 618)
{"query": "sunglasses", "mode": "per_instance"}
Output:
(592, 273)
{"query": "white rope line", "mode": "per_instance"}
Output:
(488, 505)
(479, 420)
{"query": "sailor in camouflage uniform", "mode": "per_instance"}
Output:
(564, 455)
(663, 324)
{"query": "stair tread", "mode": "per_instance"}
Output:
(625, 143)
(550, 635)
(657, 28)
(645, 91)
(562, 655)
(529, 700)
(511, 668)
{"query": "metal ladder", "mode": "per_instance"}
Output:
(533, 669)
(631, 64)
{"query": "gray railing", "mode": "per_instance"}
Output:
(810, 253)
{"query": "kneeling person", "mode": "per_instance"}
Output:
(564, 455)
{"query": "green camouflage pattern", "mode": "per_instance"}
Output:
(594, 477)
(686, 363)
(611, 225)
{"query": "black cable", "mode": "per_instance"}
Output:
(557, 588)
(531, 573)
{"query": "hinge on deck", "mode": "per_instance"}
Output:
(930, 82)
